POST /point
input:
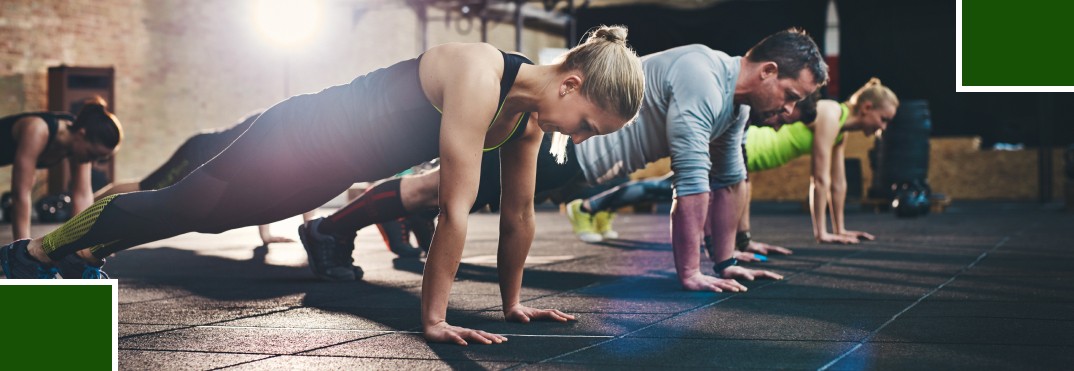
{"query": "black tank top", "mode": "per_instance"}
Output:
(8, 144)
(375, 126)
(511, 64)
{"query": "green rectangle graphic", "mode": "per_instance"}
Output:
(61, 327)
(1019, 43)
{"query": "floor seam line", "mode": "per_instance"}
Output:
(873, 333)
(687, 311)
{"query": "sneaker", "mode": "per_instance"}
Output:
(73, 267)
(18, 263)
(582, 222)
(602, 223)
(323, 254)
(397, 237)
(345, 254)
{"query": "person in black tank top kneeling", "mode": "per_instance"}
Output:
(37, 140)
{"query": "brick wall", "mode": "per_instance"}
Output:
(35, 35)
(186, 65)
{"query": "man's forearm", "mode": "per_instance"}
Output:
(725, 210)
(687, 220)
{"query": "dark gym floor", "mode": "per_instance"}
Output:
(982, 286)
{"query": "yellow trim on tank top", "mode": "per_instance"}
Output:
(509, 135)
(498, 110)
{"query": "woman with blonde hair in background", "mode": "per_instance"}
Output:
(869, 110)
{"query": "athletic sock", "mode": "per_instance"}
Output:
(381, 203)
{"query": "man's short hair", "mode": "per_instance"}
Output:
(792, 50)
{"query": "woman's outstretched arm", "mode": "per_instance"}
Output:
(465, 76)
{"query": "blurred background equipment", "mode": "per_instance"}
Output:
(54, 208)
(911, 199)
(6, 203)
(900, 161)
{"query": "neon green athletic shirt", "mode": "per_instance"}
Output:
(767, 148)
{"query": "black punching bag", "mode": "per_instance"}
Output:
(901, 155)
(906, 144)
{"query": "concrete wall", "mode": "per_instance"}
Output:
(187, 65)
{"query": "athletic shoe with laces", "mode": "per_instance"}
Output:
(345, 254)
(582, 222)
(323, 253)
(396, 236)
(17, 262)
(602, 223)
(74, 267)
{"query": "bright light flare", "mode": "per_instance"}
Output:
(287, 23)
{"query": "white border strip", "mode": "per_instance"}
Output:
(115, 303)
(958, 47)
(990, 89)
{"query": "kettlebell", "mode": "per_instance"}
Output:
(908, 200)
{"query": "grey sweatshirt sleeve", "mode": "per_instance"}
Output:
(697, 98)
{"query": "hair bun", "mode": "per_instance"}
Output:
(610, 33)
(95, 101)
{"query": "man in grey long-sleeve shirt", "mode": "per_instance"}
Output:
(694, 111)
(696, 103)
(689, 102)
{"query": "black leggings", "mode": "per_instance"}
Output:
(181, 164)
(194, 152)
(295, 157)
(259, 179)
(633, 192)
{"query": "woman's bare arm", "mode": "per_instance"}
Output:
(468, 82)
(31, 134)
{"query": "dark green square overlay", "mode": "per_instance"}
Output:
(57, 327)
(1017, 43)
